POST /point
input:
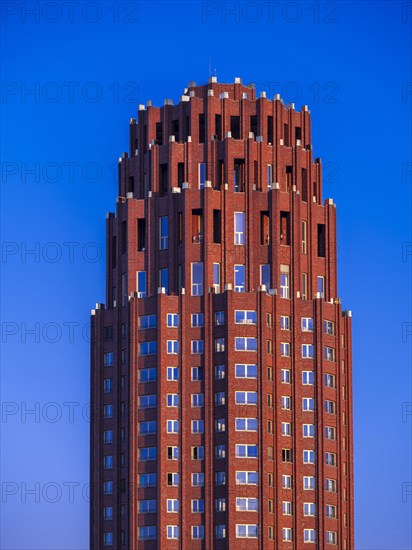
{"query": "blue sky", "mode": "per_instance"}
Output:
(88, 66)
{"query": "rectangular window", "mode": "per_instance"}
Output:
(287, 508)
(269, 175)
(172, 426)
(164, 279)
(197, 278)
(172, 479)
(172, 320)
(198, 505)
(198, 532)
(330, 459)
(217, 226)
(148, 348)
(220, 451)
(198, 453)
(287, 534)
(220, 424)
(285, 376)
(108, 436)
(309, 457)
(330, 511)
(309, 483)
(247, 504)
(329, 380)
(309, 535)
(308, 377)
(308, 404)
(287, 455)
(285, 349)
(239, 175)
(329, 327)
(286, 428)
(304, 286)
(246, 371)
(202, 175)
(219, 344)
(172, 346)
(235, 127)
(286, 482)
(246, 451)
(330, 433)
(107, 385)
(321, 286)
(330, 485)
(163, 233)
(198, 479)
(220, 372)
(244, 316)
(108, 513)
(246, 425)
(329, 353)
(172, 399)
(307, 351)
(220, 478)
(198, 426)
(147, 453)
(308, 430)
(147, 321)
(147, 427)
(173, 453)
(331, 537)
(265, 275)
(172, 373)
(246, 531)
(220, 398)
(108, 411)
(284, 281)
(286, 402)
(264, 228)
(240, 278)
(321, 240)
(197, 320)
(216, 278)
(197, 399)
(247, 478)
(309, 509)
(219, 318)
(246, 398)
(148, 532)
(108, 359)
(284, 322)
(330, 407)
(197, 225)
(147, 401)
(197, 347)
(240, 226)
(197, 373)
(304, 237)
(202, 128)
(245, 344)
(172, 505)
(307, 324)
(285, 228)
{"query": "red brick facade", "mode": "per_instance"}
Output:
(225, 181)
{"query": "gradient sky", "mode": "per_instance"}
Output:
(72, 76)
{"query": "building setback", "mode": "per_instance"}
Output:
(221, 364)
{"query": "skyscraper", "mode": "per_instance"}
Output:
(221, 363)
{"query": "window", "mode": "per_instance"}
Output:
(172, 400)
(330, 485)
(284, 322)
(307, 351)
(197, 225)
(308, 430)
(220, 451)
(309, 457)
(220, 398)
(330, 433)
(307, 324)
(172, 479)
(246, 531)
(308, 404)
(309, 509)
(172, 320)
(284, 281)
(330, 511)
(286, 428)
(247, 504)
(197, 399)
(172, 531)
(147, 506)
(172, 505)
(108, 436)
(285, 349)
(173, 453)
(198, 453)
(172, 373)
(321, 286)
(330, 407)
(172, 346)
(246, 424)
(198, 505)
(220, 424)
(329, 353)
(217, 226)
(329, 380)
(172, 426)
(331, 537)
(286, 402)
(148, 348)
(304, 286)
(246, 371)
(308, 377)
(286, 482)
(108, 513)
(309, 535)
(219, 344)
(147, 533)
(108, 359)
(330, 459)
(198, 426)
(147, 321)
(219, 318)
(220, 371)
(108, 487)
(309, 483)
(163, 233)
(202, 175)
(108, 411)
(147, 480)
(247, 478)
(287, 508)
(220, 478)
(147, 375)
(287, 455)
(304, 237)
(245, 344)
(285, 376)
(108, 462)
(239, 175)
(321, 240)
(220, 504)
(220, 531)
(147, 453)
(216, 278)
(329, 327)
(164, 279)
(108, 539)
(197, 373)
(245, 317)
(198, 532)
(265, 275)
(197, 347)
(240, 284)
(107, 385)
(239, 228)
(147, 401)
(198, 479)
(246, 451)
(287, 534)
(147, 427)
(197, 279)
(197, 320)
(246, 398)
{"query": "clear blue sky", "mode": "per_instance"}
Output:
(90, 65)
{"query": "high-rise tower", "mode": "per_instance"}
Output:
(221, 363)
